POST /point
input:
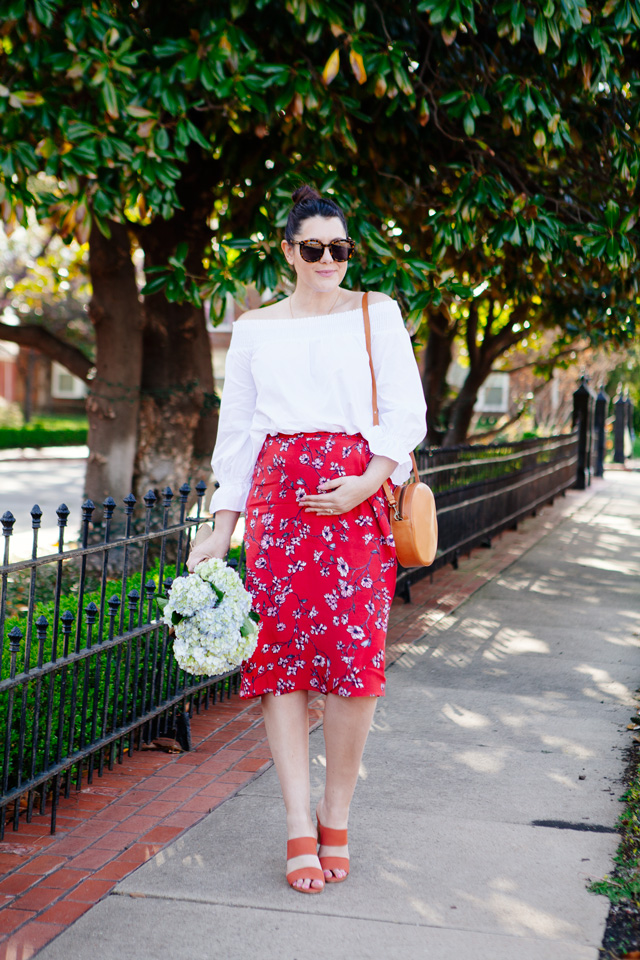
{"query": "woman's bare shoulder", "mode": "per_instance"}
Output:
(280, 308)
(375, 296)
(354, 300)
(277, 309)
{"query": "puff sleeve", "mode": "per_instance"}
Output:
(401, 404)
(233, 456)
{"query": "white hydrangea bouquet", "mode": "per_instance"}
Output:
(210, 612)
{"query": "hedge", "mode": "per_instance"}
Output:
(45, 433)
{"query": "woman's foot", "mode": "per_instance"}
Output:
(334, 851)
(304, 872)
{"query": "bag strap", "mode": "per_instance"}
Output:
(391, 500)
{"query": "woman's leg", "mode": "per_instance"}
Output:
(287, 721)
(346, 725)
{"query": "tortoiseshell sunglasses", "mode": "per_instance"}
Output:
(313, 250)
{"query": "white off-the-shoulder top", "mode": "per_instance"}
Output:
(300, 375)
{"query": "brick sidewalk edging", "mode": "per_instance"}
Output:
(110, 827)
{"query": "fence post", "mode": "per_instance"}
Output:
(599, 422)
(620, 405)
(583, 419)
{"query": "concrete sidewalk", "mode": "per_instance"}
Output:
(500, 740)
(49, 477)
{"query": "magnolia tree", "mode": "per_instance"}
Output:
(486, 153)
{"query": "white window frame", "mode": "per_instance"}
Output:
(493, 381)
(78, 388)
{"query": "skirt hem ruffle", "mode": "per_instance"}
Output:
(282, 693)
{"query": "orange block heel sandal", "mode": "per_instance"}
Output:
(327, 837)
(300, 847)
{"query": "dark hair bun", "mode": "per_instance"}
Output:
(305, 193)
(308, 203)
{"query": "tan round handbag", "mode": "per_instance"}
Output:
(413, 521)
(413, 508)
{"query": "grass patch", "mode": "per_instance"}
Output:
(622, 886)
(45, 432)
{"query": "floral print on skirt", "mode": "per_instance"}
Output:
(322, 585)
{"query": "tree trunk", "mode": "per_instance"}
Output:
(178, 413)
(438, 359)
(482, 356)
(113, 401)
(177, 418)
(462, 411)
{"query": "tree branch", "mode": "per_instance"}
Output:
(500, 341)
(32, 335)
(451, 324)
(538, 362)
(490, 317)
(472, 333)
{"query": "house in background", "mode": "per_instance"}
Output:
(42, 386)
(9, 371)
(494, 396)
(37, 384)
(547, 404)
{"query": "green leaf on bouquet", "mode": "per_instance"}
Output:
(162, 602)
(219, 594)
(176, 618)
(248, 629)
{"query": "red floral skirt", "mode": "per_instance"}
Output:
(322, 585)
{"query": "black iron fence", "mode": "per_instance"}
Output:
(86, 668)
(482, 490)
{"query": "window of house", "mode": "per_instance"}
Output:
(64, 386)
(493, 396)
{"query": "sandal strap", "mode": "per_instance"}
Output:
(300, 846)
(335, 863)
(305, 873)
(329, 837)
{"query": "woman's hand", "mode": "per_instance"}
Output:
(213, 546)
(342, 495)
(218, 542)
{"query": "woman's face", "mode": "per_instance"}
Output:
(326, 274)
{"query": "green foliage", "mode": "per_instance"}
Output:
(487, 154)
(44, 281)
(623, 885)
(45, 432)
(102, 114)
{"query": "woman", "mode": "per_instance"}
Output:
(298, 452)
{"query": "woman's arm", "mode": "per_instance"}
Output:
(233, 458)
(217, 544)
(401, 402)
